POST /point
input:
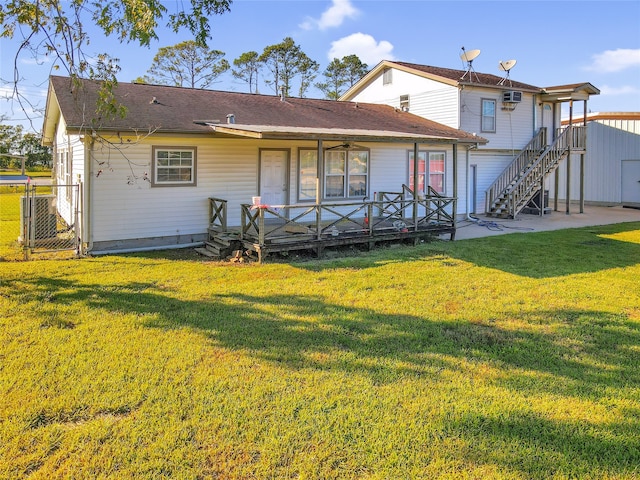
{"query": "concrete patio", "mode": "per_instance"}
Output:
(593, 215)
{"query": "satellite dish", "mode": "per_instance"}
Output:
(507, 65)
(469, 56)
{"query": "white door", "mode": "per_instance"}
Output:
(631, 182)
(273, 177)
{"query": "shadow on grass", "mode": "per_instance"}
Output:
(289, 329)
(592, 355)
(534, 255)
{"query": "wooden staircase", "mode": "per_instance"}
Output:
(524, 177)
(221, 244)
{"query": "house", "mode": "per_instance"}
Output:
(612, 160)
(184, 166)
(522, 123)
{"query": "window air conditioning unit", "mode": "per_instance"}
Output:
(512, 96)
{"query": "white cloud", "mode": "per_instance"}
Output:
(364, 46)
(334, 16)
(624, 90)
(35, 61)
(615, 60)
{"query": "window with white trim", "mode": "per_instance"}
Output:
(433, 169)
(346, 174)
(174, 166)
(488, 120)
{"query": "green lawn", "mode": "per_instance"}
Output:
(40, 172)
(514, 356)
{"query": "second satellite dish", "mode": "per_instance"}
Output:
(507, 65)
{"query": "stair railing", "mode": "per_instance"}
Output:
(528, 184)
(519, 164)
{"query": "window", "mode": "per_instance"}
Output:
(308, 169)
(387, 76)
(434, 169)
(346, 174)
(404, 103)
(174, 166)
(488, 115)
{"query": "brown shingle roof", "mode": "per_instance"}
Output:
(485, 79)
(174, 109)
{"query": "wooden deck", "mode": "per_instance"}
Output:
(393, 216)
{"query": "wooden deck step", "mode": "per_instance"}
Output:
(206, 252)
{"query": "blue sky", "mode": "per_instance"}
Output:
(554, 42)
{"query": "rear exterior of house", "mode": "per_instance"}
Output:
(148, 180)
(507, 113)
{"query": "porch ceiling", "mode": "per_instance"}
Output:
(339, 134)
(565, 93)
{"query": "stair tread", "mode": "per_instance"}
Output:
(206, 252)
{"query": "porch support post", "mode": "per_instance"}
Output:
(319, 191)
(556, 189)
(568, 190)
(416, 177)
(455, 182)
(582, 154)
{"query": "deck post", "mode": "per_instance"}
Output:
(318, 222)
(261, 226)
(568, 191)
(416, 178)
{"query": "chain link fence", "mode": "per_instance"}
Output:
(38, 219)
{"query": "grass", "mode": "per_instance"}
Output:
(35, 172)
(511, 357)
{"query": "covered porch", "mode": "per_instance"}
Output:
(333, 201)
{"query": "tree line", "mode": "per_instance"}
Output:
(15, 143)
(283, 67)
(55, 30)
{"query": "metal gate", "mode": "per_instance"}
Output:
(37, 219)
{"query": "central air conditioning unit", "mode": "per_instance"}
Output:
(511, 96)
(38, 213)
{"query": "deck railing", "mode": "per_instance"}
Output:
(390, 214)
(217, 213)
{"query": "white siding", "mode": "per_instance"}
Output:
(427, 98)
(514, 129)
(126, 207)
(74, 148)
(438, 105)
(489, 167)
